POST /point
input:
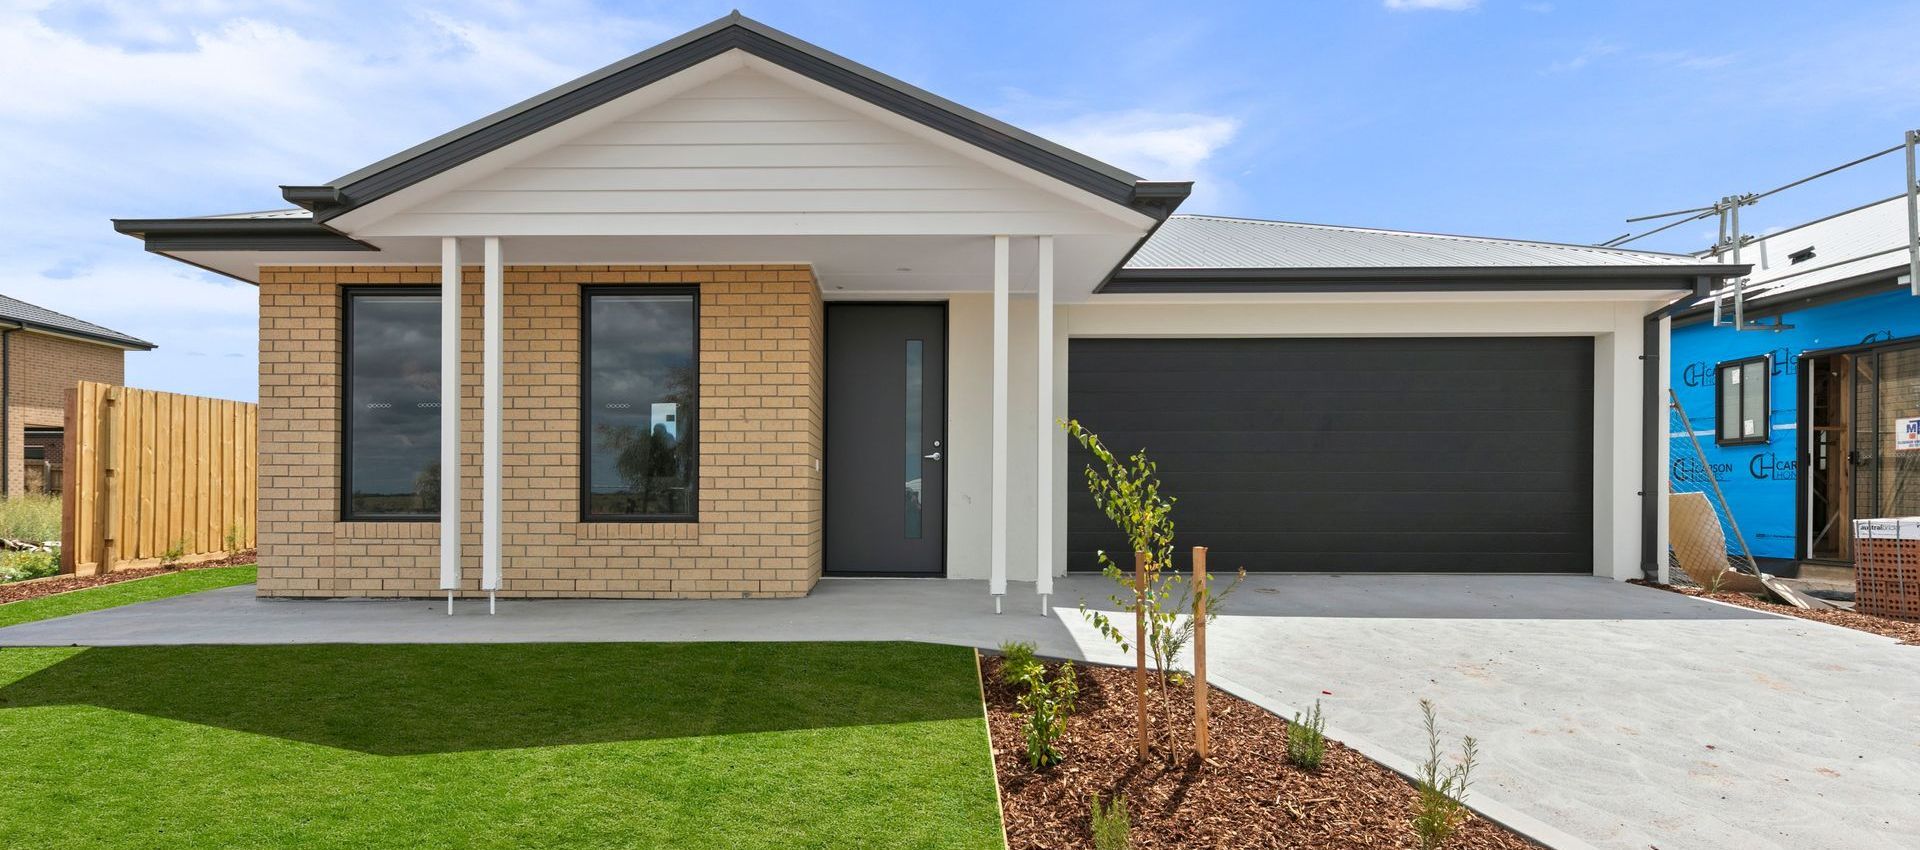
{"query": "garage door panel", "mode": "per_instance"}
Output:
(1354, 455)
(1215, 419)
(1143, 399)
(1362, 509)
(1396, 381)
(1427, 443)
(1240, 480)
(1486, 353)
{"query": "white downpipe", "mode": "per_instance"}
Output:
(492, 325)
(997, 583)
(449, 418)
(1043, 450)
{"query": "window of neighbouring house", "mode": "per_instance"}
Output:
(641, 396)
(1741, 401)
(391, 462)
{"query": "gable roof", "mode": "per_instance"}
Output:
(733, 32)
(37, 318)
(1202, 253)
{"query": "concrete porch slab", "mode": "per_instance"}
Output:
(1609, 715)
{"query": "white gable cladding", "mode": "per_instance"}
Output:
(745, 154)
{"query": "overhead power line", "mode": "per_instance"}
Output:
(1698, 213)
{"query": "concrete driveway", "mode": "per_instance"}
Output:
(1609, 715)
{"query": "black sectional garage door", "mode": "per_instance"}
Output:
(1350, 455)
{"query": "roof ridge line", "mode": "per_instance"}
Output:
(1434, 235)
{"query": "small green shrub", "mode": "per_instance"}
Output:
(172, 554)
(1016, 661)
(233, 538)
(1112, 827)
(1307, 739)
(34, 518)
(1044, 709)
(20, 566)
(1440, 805)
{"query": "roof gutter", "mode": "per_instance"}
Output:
(1160, 200)
(123, 342)
(1410, 279)
(1654, 424)
(162, 235)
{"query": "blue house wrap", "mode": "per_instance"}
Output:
(1761, 481)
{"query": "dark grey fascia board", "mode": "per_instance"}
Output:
(734, 32)
(162, 235)
(1411, 279)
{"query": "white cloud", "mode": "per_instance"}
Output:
(182, 107)
(1160, 145)
(1586, 56)
(1154, 145)
(1432, 5)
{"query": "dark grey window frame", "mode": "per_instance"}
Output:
(587, 292)
(347, 294)
(1765, 434)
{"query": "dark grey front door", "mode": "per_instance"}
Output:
(886, 476)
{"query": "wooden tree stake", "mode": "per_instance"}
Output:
(1200, 651)
(1140, 645)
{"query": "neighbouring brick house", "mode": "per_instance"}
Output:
(43, 354)
(736, 313)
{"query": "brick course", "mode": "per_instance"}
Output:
(760, 432)
(41, 369)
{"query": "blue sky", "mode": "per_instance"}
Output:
(1546, 120)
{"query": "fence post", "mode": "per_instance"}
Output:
(1140, 645)
(69, 489)
(1200, 651)
(110, 484)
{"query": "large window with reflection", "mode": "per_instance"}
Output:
(640, 389)
(391, 461)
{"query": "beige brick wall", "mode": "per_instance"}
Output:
(760, 426)
(42, 368)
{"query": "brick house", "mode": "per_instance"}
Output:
(42, 355)
(736, 313)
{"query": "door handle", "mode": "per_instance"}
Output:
(934, 456)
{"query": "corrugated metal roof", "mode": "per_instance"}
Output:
(1859, 243)
(1216, 242)
(265, 214)
(40, 318)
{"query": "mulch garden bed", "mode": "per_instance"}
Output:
(1246, 795)
(1905, 631)
(24, 590)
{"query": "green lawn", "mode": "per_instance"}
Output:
(123, 593)
(734, 745)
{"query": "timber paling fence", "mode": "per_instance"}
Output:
(155, 478)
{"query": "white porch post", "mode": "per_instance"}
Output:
(997, 582)
(449, 418)
(492, 325)
(1043, 450)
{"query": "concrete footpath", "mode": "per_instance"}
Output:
(1609, 715)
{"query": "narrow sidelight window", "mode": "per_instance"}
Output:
(916, 357)
(641, 397)
(1742, 402)
(391, 462)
